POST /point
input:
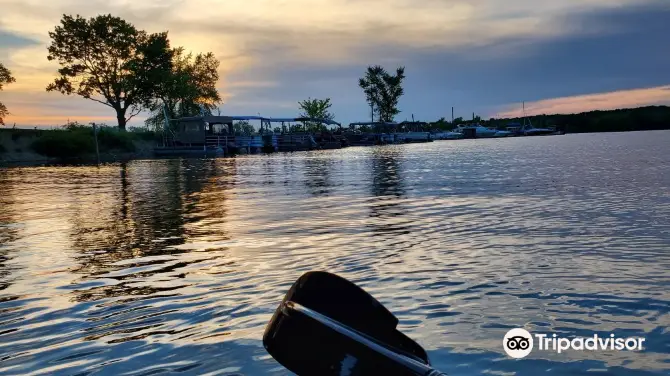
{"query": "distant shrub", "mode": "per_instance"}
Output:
(142, 134)
(65, 143)
(76, 140)
(113, 139)
(73, 126)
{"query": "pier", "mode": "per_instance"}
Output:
(215, 135)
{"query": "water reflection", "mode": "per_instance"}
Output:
(176, 265)
(318, 174)
(8, 229)
(140, 219)
(388, 193)
(387, 175)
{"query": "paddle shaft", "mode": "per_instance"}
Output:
(415, 366)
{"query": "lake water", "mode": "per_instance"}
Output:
(175, 266)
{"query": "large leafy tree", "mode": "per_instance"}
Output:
(383, 91)
(189, 88)
(316, 109)
(108, 60)
(5, 78)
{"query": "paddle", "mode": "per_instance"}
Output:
(327, 325)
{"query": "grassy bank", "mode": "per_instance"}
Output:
(73, 142)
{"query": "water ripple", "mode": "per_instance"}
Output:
(175, 266)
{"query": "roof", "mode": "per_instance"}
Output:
(373, 123)
(228, 119)
(209, 119)
(324, 121)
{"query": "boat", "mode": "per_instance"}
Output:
(411, 137)
(475, 131)
(447, 135)
(532, 131)
(215, 136)
(375, 133)
(503, 134)
(527, 129)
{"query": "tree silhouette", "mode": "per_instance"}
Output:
(316, 109)
(189, 88)
(107, 60)
(5, 78)
(383, 91)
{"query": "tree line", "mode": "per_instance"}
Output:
(620, 120)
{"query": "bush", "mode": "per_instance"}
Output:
(143, 134)
(112, 139)
(76, 140)
(65, 143)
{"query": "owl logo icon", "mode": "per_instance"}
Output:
(518, 343)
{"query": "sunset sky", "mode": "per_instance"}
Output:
(483, 56)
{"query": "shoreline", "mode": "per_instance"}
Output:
(18, 154)
(17, 149)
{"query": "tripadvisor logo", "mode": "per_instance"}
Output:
(518, 343)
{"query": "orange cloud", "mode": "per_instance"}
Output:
(582, 103)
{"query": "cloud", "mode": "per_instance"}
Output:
(11, 40)
(605, 56)
(601, 101)
(477, 55)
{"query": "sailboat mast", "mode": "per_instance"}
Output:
(524, 115)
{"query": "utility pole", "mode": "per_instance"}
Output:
(452, 114)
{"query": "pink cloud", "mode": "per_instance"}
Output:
(602, 101)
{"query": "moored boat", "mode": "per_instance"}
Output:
(475, 131)
(447, 136)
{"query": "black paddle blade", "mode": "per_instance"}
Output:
(307, 347)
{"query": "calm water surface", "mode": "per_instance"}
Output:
(175, 266)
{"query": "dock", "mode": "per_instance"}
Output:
(215, 135)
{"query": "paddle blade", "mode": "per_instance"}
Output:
(307, 347)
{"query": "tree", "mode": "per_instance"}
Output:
(316, 109)
(108, 60)
(370, 85)
(5, 78)
(243, 127)
(189, 88)
(383, 91)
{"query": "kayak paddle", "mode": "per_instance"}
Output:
(327, 325)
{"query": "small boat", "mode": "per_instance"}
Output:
(527, 129)
(417, 137)
(475, 131)
(503, 134)
(448, 136)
